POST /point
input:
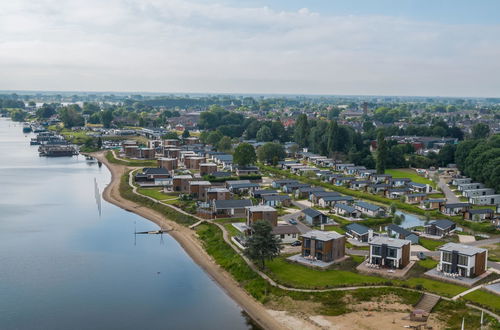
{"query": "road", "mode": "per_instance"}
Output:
(450, 195)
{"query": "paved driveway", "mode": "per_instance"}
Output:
(450, 195)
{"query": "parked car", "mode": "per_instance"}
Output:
(297, 243)
(292, 222)
(421, 256)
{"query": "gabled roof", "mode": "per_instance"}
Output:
(441, 224)
(155, 170)
(345, 207)
(311, 212)
(399, 230)
(357, 228)
(265, 192)
(310, 189)
(275, 197)
(368, 206)
(455, 205)
(232, 203)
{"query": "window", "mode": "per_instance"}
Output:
(446, 268)
(307, 242)
(319, 245)
(391, 252)
(376, 250)
(447, 256)
(282, 236)
(462, 260)
(294, 235)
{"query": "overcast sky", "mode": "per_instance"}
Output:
(385, 47)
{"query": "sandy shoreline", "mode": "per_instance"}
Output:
(187, 239)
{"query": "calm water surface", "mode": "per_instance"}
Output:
(62, 266)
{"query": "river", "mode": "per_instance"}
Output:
(65, 266)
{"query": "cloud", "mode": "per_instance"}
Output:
(185, 46)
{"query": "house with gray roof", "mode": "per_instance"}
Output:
(231, 208)
(440, 227)
(370, 210)
(314, 217)
(358, 232)
(396, 231)
(465, 260)
(346, 210)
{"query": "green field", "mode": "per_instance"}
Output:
(430, 244)
(428, 263)
(487, 299)
(409, 173)
(155, 193)
(300, 276)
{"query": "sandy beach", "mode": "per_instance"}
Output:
(189, 242)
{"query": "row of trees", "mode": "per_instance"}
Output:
(480, 160)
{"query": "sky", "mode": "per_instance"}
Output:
(351, 47)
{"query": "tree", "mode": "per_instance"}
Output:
(381, 153)
(262, 245)
(271, 153)
(46, 111)
(107, 118)
(214, 137)
(264, 134)
(301, 132)
(70, 117)
(186, 134)
(244, 154)
(480, 131)
(170, 136)
(99, 142)
(225, 144)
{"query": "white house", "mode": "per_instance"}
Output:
(485, 200)
(465, 260)
(287, 234)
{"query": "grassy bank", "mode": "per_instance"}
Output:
(131, 162)
(127, 193)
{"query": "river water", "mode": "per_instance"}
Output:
(64, 266)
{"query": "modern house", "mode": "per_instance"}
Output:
(440, 227)
(169, 164)
(197, 189)
(241, 186)
(433, 203)
(370, 209)
(479, 214)
(454, 208)
(261, 213)
(415, 198)
(359, 232)
(207, 168)
(389, 252)
(278, 184)
(478, 192)
(326, 246)
(420, 187)
(457, 181)
(486, 200)
(304, 192)
(332, 200)
(465, 260)
(315, 196)
(247, 170)
(346, 210)
(258, 193)
(314, 217)
(217, 193)
(276, 200)
(469, 186)
(180, 183)
(231, 208)
(287, 234)
(395, 231)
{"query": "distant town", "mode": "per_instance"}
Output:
(305, 200)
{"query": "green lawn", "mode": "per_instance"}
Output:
(301, 276)
(430, 244)
(409, 173)
(154, 193)
(428, 263)
(232, 231)
(487, 299)
(441, 288)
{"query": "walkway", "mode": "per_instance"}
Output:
(252, 266)
(474, 289)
